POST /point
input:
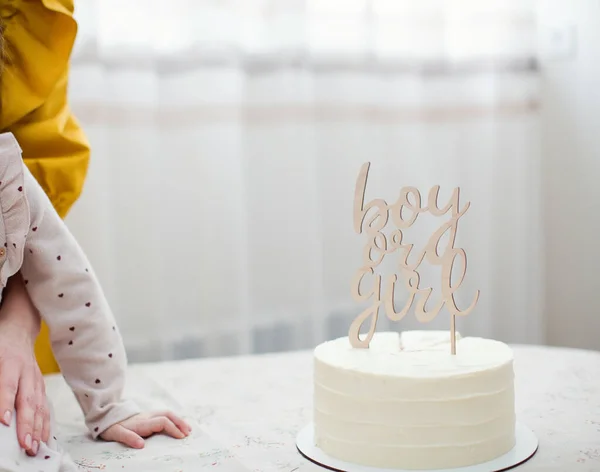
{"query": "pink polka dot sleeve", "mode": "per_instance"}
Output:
(85, 340)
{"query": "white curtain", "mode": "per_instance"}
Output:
(227, 137)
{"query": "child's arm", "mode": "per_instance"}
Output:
(85, 340)
(61, 285)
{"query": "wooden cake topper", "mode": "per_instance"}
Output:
(403, 214)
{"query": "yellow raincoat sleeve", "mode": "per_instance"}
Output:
(39, 37)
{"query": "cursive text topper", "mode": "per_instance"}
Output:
(371, 219)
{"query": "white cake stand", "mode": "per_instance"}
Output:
(526, 446)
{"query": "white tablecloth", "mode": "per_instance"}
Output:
(246, 412)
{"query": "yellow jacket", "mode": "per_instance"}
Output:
(39, 37)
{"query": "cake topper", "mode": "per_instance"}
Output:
(372, 218)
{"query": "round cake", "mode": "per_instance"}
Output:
(407, 403)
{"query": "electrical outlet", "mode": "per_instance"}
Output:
(559, 42)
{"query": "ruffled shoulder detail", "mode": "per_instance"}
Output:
(14, 209)
(39, 36)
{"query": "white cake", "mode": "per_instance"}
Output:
(407, 403)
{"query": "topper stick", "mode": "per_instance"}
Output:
(453, 335)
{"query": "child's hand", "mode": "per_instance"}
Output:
(131, 431)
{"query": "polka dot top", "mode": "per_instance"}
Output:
(58, 277)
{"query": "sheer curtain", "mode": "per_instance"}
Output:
(227, 137)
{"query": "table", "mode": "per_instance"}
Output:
(246, 412)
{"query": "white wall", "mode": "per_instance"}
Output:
(571, 175)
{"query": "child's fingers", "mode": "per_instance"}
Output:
(161, 424)
(183, 426)
(118, 433)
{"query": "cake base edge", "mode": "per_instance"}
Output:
(526, 445)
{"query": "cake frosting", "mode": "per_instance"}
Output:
(407, 403)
